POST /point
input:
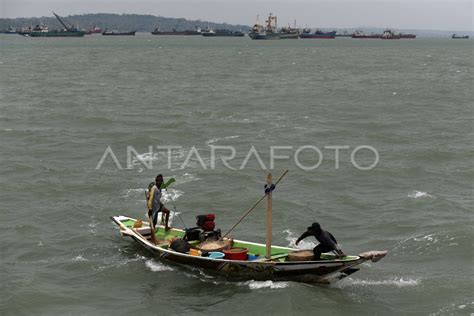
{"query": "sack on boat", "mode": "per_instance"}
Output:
(180, 245)
(192, 234)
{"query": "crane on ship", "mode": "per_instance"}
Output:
(68, 26)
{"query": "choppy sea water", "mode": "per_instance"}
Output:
(65, 101)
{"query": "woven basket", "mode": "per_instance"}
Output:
(301, 255)
(213, 245)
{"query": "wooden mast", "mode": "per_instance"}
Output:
(269, 218)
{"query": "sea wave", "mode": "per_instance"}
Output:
(214, 140)
(420, 194)
(393, 282)
(256, 285)
(157, 266)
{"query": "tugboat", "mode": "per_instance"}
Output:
(268, 32)
(117, 33)
(460, 37)
(318, 34)
(69, 30)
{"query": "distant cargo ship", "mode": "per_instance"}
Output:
(344, 34)
(289, 33)
(157, 31)
(10, 30)
(69, 30)
(389, 34)
(117, 33)
(360, 34)
(267, 32)
(460, 37)
(317, 34)
(407, 35)
(221, 32)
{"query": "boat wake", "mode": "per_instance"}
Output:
(256, 285)
(157, 266)
(393, 282)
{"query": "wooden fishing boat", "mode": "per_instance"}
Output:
(244, 259)
(257, 266)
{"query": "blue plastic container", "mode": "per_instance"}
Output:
(216, 255)
(252, 257)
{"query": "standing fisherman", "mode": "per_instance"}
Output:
(154, 201)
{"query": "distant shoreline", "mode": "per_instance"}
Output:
(147, 23)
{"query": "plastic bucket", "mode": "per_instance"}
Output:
(216, 255)
(236, 253)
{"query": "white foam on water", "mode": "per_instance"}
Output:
(430, 238)
(40, 244)
(214, 140)
(79, 258)
(393, 282)
(157, 266)
(256, 285)
(185, 178)
(130, 192)
(304, 244)
(419, 194)
(171, 195)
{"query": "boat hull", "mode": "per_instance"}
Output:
(57, 34)
(223, 34)
(176, 33)
(119, 34)
(328, 35)
(275, 269)
(263, 36)
(289, 36)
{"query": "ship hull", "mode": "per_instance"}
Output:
(263, 36)
(223, 34)
(176, 33)
(58, 34)
(120, 34)
(289, 36)
(322, 35)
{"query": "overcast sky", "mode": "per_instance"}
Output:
(401, 14)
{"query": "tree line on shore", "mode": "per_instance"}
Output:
(121, 22)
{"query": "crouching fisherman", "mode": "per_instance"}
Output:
(327, 242)
(154, 200)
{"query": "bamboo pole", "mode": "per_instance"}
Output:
(269, 219)
(252, 208)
